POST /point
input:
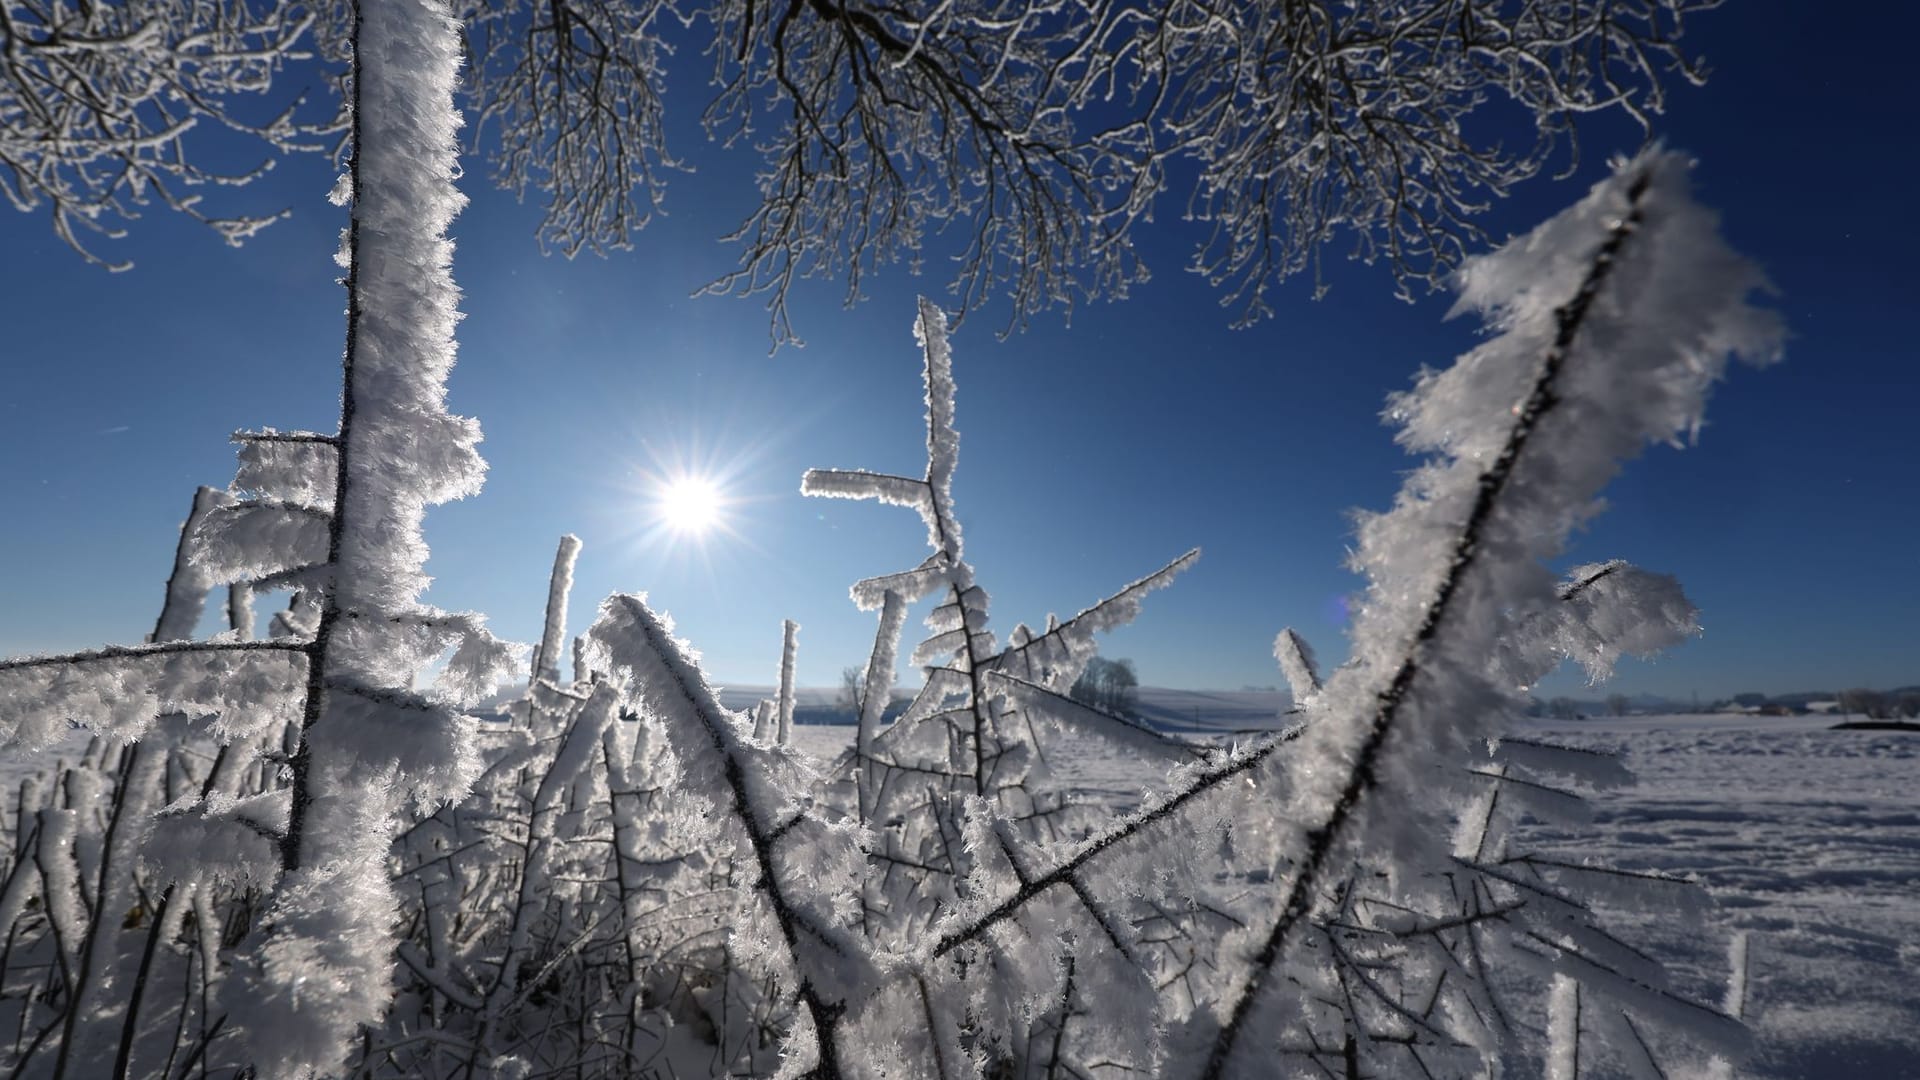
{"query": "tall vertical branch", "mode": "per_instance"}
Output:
(314, 703)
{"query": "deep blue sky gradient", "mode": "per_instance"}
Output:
(1090, 454)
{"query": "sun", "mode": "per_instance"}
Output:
(684, 499)
(690, 505)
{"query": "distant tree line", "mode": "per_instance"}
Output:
(1903, 703)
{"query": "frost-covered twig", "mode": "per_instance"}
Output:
(1295, 658)
(789, 646)
(546, 659)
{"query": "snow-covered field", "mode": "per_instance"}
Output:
(1808, 839)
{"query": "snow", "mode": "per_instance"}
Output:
(1808, 840)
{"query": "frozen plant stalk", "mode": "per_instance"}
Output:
(546, 663)
(320, 966)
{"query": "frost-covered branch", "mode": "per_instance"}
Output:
(628, 640)
(1038, 136)
(98, 103)
(1614, 360)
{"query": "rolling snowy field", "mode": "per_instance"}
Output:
(1808, 839)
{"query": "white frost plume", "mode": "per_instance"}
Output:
(1603, 611)
(289, 466)
(248, 541)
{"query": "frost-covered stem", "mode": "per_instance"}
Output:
(1737, 977)
(240, 609)
(164, 648)
(137, 777)
(825, 1015)
(933, 1029)
(1734, 1004)
(53, 854)
(977, 700)
(789, 644)
(314, 703)
(15, 893)
(1563, 1030)
(186, 589)
(546, 662)
(397, 449)
(943, 447)
(624, 812)
(1066, 1011)
(1296, 661)
(1322, 839)
(130, 1024)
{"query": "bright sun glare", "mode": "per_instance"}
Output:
(690, 505)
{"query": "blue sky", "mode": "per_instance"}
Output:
(1090, 453)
